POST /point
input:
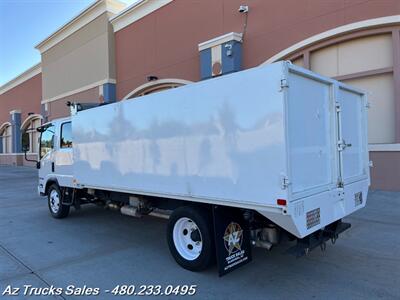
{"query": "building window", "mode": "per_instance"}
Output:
(156, 89)
(29, 133)
(156, 86)
(5, 136)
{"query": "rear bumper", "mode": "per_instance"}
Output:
(311, 214)
(319, 238)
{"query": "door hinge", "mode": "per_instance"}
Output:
(340, 184)
(337, 106)
(284, 83)
(285, 182)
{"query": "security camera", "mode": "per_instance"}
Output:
(243, 9)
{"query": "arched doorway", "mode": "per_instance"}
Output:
(5, 138)
(29, 133)
(156, 86)
(366, 55)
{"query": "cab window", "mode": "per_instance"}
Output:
(66, 135)
(46, 141)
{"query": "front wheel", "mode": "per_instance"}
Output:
(54, 197)
(190, 238)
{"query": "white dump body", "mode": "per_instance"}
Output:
(243, 140)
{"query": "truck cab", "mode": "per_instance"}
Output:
(55, 155)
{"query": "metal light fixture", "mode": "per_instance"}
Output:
(243, 8)
(152, 78)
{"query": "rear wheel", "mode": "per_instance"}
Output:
(54, 197)
(190, 238)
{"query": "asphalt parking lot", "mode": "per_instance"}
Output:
(99, 248)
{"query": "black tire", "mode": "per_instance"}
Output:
(63, 210)
(202, 218)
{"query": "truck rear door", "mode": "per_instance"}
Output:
(352, 137)
(311, 134)
(326, 129)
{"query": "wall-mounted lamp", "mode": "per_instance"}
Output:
(243, 8)
(229, 50)
(152, 78)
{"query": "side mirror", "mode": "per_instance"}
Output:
(25, 141)
(26, 149)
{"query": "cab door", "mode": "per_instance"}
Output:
(46, 152)
(63, 157)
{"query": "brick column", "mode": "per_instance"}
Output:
(16, 131)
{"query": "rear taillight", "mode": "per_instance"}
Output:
(281, 202)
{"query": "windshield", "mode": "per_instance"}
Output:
(46, 141)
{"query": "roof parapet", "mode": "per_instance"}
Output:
(135, 12)
(24, 76)
(84, 17)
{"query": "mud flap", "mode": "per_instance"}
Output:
(232, 239)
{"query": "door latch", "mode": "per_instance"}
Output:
(285, 182)
(343, 145)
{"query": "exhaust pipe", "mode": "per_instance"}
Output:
(130, 211)
(111, 205)
(262, 244)
(133, 211)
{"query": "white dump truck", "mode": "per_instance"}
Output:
(270, 154)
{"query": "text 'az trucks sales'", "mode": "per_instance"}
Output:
(263, 156)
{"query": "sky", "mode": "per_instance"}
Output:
(25, 23)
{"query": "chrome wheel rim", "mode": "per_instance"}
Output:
(187, 238)
(54, 201)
